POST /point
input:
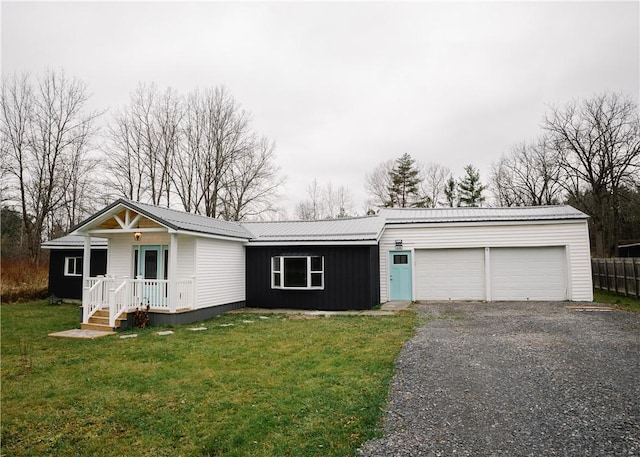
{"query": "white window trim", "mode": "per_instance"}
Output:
(309, 272)
(67, 261)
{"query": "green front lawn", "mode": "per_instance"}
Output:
(275, 387)
(619, 301)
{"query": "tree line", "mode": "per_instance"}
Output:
(587, 155)
(199, 152)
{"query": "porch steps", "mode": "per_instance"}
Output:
(100, 322)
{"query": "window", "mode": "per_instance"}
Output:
(73, 266)
(297, 272)
(400, 259)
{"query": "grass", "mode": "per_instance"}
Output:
(275, 387)
(23, 279)
(620, 301)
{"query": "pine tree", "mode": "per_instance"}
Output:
(470, 188)
(403, 188)
(450, 191)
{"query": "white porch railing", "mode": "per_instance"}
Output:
(121, 295)
(118, 303)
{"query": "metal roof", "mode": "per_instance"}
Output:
(441, 215)
(75, 241)
(348, 229)
(356, 229)
(179, 220)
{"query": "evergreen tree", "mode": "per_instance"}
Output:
(450, 192)
(470, 188)
(404, 180)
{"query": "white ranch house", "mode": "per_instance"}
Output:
(188, 267)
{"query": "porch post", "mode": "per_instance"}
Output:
(86, 273)
(172, 275)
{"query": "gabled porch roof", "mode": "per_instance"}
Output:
(127, 215)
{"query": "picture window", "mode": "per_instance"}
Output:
(297, 272)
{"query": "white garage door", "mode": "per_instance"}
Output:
(538, 273)
(450, 274)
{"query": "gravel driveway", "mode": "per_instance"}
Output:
(517, 379)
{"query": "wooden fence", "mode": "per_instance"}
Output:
(618, 275)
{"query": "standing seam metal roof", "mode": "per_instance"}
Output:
(441, 215)
(70, 241)
(348, 229)
(179, 220)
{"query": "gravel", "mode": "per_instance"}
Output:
(516, 379)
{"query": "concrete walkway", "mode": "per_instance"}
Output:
(81, 334)
(387, 309)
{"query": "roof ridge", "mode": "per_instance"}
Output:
(312, 220)
(201, 216)
(441, 208)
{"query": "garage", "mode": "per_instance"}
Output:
(516, 273)
(518, 253)
(535, 273)
(450, 274)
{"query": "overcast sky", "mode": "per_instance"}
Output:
(339, 86)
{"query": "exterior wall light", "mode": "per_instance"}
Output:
(137, 236)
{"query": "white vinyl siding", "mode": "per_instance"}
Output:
(537, 273)
(572, 235)
(220, 272)
(186, 257)
(449, 274)
(121, 251)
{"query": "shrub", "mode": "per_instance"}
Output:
(23, 280)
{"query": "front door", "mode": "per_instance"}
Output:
(152, 268)
(400, 285)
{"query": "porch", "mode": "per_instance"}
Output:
(112, 297)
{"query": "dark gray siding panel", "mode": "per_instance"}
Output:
(183, 318)
(71, 286)
(351, 278)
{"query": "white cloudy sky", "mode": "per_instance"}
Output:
(342, 86)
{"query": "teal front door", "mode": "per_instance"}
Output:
(400, 286)
(152, 268)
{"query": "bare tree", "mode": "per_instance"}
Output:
(598, 140)
(528, 175)
(80, 194)
(225, 137)
(190, 153)
(44, 125)
(144, 141)
(433, 179)
(252, 183)
(167, 117)
(325, 202)
(199, 148)
(125, 161)
(337, 201)
(344, 199)
(313, 207)
(377, 183)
